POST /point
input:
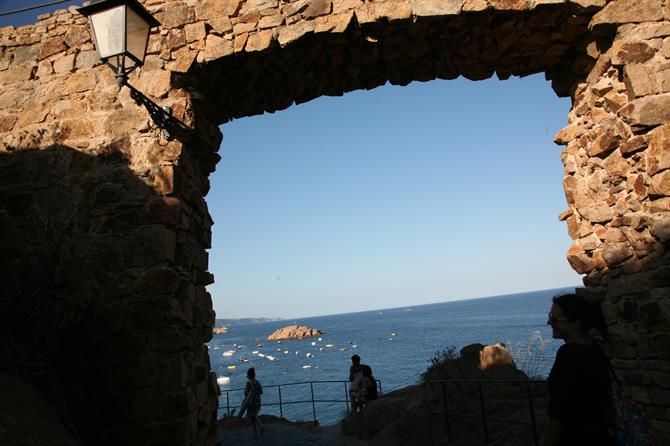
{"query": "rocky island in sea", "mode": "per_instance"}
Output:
(294, 332)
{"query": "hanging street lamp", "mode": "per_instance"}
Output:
(121, 31)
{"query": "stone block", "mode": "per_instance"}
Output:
(393, 10)
(240, 41)
(509, 5)
(579, 260)
(435, 8)
(640, 81)
(631, 52)
(158, 280)
(243, 28)
(588, 4)
(317, 8)
(76, 35)
(634, 145)
(660, 184)
(217, 47)
(270, 21)
(79, 82)
(175, 38)
(259, 41)
(175, 16)
(64, 64)
(481, 5)
(52, 46)
(86, 59)
(661, 229)
(216, 9)
(7, 123)
(195, 31)
(657, 155)
(150, 246)
(628, 11)
(345, 5)
(616, 253)
(294, 32)
(647, 111)
(170, 341)
(19, 73)
(25, 54)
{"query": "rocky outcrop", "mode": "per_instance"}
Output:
(294, 332)
(411, 416)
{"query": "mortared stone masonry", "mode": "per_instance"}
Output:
(104, 225)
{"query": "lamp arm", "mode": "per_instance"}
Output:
(161, 116)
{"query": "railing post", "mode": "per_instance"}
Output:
(483, 409)
(346, 397)
(532, 413)
(227, 403)
(446, 411)
(281, 412)
(311, 386)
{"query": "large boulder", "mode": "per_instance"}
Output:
(294, 332)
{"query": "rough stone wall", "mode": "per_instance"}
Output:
(105, 226)
(617, 184)
(104, 229)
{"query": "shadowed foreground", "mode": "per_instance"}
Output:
(284, 433)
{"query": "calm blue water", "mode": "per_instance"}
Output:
(397, 343)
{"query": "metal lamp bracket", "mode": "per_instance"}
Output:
(161, 116)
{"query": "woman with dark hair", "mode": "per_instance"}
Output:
(580, 411)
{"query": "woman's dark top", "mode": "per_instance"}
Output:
(579, 395)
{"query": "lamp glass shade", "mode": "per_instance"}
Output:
(137, 35)
(109, 31)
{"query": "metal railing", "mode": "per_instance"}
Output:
(483, 416)
(312, 400)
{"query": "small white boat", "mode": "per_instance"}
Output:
(307, 367)
(320, 349)
(261, 355)
(228, 353)
(354, 346)
(270, 357)
(320, 339)
(223, 380)
(309, 355)
(313, 343)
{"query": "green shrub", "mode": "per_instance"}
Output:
(438, 364)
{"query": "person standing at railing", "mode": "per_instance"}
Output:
(252, 400)
(580, 408)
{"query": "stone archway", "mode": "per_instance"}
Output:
(105, 227)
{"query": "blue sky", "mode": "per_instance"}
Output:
(391, 197)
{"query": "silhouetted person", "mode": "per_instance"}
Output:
(252, 400)
(580, 411)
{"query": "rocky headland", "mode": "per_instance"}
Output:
(294, 332)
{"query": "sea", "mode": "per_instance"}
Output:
(398, 343)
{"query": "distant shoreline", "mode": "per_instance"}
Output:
(260, 320)
(231, 322)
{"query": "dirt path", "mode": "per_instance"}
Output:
(277, 434)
